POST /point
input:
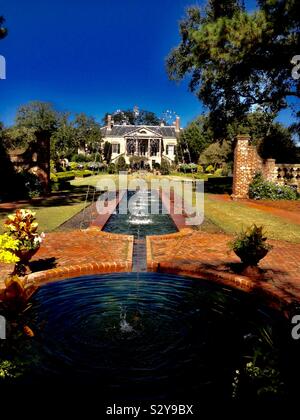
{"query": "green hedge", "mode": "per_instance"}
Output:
(83, 174)
(70, 175)
(65, 176)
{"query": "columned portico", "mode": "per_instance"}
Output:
(147, 145)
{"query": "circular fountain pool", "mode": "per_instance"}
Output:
(153, 338)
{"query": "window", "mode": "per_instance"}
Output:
(170, 149)
(116, 148)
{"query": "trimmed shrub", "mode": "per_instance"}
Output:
(80, 157)
(218, 172)
(121, 164)
(188, 167)
(200, 169)
(111, 169)
(65, 176)
(53, 178)
(209, 169)
(83, 174)
(164, 167)
(260, 189)
(73, 166)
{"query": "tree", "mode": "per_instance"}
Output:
(63, 140)
(121, 164)
(39, 116)
(87, 133)
(133, 117)
(237, 60)
(9, 180)
(225, 8)
(216, 154)
(194, 139)
(107, 151)
(18, 137)
(3, 30)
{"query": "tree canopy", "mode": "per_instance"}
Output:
(236, 60)
(194, 139)
(133, 117)
(3, 30)
(273, 140)
(39, 116)
(39, 120)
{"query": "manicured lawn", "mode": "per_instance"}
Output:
(232, 216)
(49, 218)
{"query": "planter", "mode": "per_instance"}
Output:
(249, 258)
(25, 255)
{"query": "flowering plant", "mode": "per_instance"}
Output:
(7, 247)
(21, 241)
(23, 227)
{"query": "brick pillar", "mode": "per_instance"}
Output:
(177, 124)
(270, 171)
(241, 167)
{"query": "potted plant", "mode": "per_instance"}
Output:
(251, 246)
(22, 228)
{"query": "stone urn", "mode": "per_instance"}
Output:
(251, 258)
(25, 255)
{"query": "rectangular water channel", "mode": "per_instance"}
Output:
(140, 222)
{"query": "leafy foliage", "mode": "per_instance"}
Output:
(107, 151)
(8, 245)
(250, 245)
(260, 189)
(215, 155)
(194, 139)
(165, 167)
(121, 164)
(133, 117)
(39, 116)
(237, 60)
(22, 227)
(3, 30)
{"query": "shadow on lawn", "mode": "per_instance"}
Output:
(74, 195)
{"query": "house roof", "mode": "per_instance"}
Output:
(123, 130)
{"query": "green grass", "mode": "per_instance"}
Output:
(49, 218)
(232, 217)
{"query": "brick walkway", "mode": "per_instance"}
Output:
(70, 254)
(206, 255)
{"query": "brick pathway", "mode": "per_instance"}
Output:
(190, 252)
(69, 254)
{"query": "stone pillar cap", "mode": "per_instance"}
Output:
(243, 136)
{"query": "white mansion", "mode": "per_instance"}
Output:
(142, 143)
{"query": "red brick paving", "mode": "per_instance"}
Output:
(68, 254)
(206, 255)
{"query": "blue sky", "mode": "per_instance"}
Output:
(94, 56)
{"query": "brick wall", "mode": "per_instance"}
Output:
(36, 159)
(246, 163)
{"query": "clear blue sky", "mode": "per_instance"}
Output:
(93, 56)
